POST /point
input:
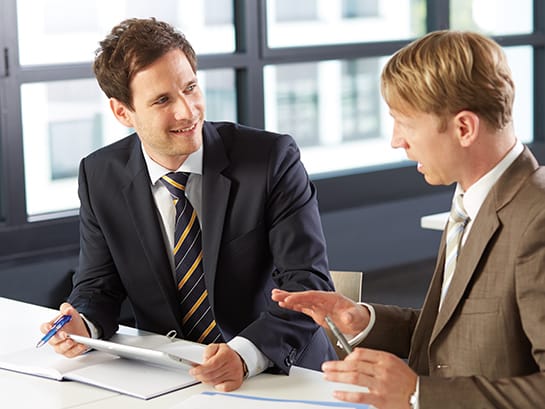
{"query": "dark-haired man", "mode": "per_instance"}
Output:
(252, 220)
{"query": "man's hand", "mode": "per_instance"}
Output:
(60, 342)
(389, 380)
(222, 367)
(350, 317)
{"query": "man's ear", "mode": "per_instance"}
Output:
(121, 112)
(467, 125)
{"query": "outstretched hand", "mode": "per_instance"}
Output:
(350, 317)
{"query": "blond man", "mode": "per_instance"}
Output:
(479, 340)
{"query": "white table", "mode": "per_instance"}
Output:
(20, 329)
(436, 221)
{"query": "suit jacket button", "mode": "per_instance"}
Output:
(441, 366)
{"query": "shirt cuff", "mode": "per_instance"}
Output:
(362, 335)
(93, 330)
(255, 360)
(416, 396)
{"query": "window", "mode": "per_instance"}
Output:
(357, 9)
(493, 17)
(309, 68)
(65, 31)
(318, 22)
(63, 121)
(334, 110)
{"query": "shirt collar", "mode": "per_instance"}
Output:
(476, 194)
(193, 164)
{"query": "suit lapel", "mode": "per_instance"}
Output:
(485, 225)
(215, 196)
(482, 231)
(418, 357)
(141, 206)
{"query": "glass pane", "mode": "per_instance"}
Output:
(67, 31)
(314, 22)
(336, 114)
(492, 16)
(521, 62)
(65, 120)
(62, 122)
(220, 93)
(334, 111)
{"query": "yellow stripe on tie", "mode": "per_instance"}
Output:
(174, 183)
(195, 306)
(186, 231)
(190, 271)
(207, 331)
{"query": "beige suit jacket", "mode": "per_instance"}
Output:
(486, 347)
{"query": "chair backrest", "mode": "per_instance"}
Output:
(349, 284)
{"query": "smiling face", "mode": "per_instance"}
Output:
(430, 143)
(168, 110)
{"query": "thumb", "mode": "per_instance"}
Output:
(210, 351)
(67, 308)
(228, 386)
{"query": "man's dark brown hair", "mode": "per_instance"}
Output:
(130, 47)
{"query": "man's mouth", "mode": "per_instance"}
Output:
(185, 130)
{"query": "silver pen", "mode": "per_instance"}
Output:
(338, 334)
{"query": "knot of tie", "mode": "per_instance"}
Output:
(175, 183)
(458, 213)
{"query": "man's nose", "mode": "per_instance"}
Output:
(183, 109)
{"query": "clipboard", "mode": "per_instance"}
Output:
(171, 359)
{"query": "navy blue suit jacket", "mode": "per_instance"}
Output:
(260, 229)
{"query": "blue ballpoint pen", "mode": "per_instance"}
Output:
(57, 325)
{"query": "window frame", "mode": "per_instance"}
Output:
(339, 190)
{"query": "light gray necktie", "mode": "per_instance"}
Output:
(457, 222)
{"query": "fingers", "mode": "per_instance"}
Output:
(222, 368)
(358, 397)
(315, 304)
(60, 341)
(279, 295)
(228, 386)
(69, 348)
(353, 371)
(389, 380)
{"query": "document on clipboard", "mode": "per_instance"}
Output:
(173, 355)
(143, 378)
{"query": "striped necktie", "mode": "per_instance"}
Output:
(198, 323)
(458, 220)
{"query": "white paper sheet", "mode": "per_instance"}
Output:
(203, 401)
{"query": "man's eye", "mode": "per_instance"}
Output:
(191, 88)
(161, 100)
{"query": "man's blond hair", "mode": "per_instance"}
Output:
(446, 72)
